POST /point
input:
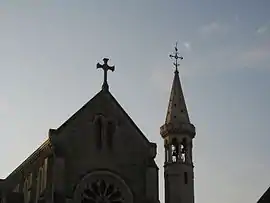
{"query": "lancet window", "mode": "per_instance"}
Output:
(41, 179)
(105, 129)
(27, 186)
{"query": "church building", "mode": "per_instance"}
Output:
(88, 158)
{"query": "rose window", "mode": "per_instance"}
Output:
(101, 192)
(102, 187)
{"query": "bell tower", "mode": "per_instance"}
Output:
(178, 134)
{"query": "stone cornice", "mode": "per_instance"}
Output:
(181, 128)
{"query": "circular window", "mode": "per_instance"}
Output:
(102, 187)
(101, 192)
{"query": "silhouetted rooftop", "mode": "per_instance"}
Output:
(265, 198)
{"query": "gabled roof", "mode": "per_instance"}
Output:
(46, 144)
(35, 155)
(107, 93)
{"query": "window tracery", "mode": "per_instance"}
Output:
(102, 192)
(102, 187)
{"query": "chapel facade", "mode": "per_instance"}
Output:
(99, 155)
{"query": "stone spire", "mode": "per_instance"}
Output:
(177, 110)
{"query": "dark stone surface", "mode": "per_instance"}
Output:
(59, 198)
(14, 197)
(265, 198)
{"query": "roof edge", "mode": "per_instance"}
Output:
(30, 158)
(62, 126)
(265, 195)
(130, 119)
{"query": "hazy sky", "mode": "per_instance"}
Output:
(49, 50)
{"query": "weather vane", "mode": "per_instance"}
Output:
(105, 68)
(176, 57)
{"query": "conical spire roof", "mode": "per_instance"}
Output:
(177, 110)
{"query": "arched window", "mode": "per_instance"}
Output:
(175, 150)
(111, 127)
(45, 170)
(27, 188)
(25, 191)
(41, 179)
(37, 187)
(98, 122)
(183, 148)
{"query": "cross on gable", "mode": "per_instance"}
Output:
(105, 68)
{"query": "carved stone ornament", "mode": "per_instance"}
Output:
(102, 187)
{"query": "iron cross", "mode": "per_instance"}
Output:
(176, 57)
(105, 68)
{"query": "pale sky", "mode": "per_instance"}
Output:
(49, 50)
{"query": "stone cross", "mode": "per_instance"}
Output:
(105, 68)
(176, 57)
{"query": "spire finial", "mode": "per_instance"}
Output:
(105, 68)
(176, 57)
